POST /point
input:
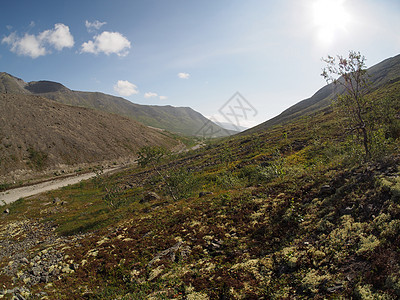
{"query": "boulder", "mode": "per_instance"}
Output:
(150, 196)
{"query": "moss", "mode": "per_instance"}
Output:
(365, 292)
(312, 280)
(368, 244)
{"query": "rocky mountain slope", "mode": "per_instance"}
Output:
(181, 120)
(385, 72)
(37, 133)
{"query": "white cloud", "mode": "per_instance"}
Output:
(108, 43)
(125, 88)
(150, 95)
(35, 45)
(154, 95)
(28, 45)
(183, 75)
(92, 26)
(59, 37)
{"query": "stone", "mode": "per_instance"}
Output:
(327, 190)
(202, 194)
(170, 252)
(150, 196)
(155, 272)
(19, 296)
(6, 211)
(24, 260)
(56, 200)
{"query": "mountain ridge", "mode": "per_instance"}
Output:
(180, 120)
(387, 71)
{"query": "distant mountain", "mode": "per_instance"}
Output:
(181, 120)
(385, 72)
(230, 126)
(37, 133)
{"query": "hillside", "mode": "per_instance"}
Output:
(37, 133)
(181, 120)
(385, 72)
(290, 212)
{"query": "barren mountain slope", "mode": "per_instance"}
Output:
(36, 133)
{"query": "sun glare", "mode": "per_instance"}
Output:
(331, 18)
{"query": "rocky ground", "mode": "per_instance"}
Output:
(31, 253)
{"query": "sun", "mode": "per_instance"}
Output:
(330, 18)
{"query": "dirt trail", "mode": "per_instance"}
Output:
(12, 195)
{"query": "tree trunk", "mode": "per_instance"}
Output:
(366, 144)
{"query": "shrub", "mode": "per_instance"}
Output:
(228, 180)
(151, 155)
(113, 196)
(37, 158)
(181, 183)
(253, 174)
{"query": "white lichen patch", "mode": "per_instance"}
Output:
(92, 252)
(195, 223)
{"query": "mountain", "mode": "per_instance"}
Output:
(37, 133)
(233, 127)
(385, 72)
(181, 120)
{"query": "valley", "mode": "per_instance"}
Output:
(11, 195)
(290, 209)
(41, 137)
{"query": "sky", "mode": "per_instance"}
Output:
(215, 56)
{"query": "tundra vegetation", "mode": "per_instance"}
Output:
(297, 211)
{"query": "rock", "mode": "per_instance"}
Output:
(335, 288)
(56, 200)
(19, 296)
(25, 260)
(214, 247)
(67, 269)
(155, 272)
(327, 189)
(6, 211)
(170, 253)
(36, 270)
(128, 186)
(150, 196)
(202, 194)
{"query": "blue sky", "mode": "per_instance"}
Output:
(194, 53)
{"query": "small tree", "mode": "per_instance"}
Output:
(351, 74)
(151, 155)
